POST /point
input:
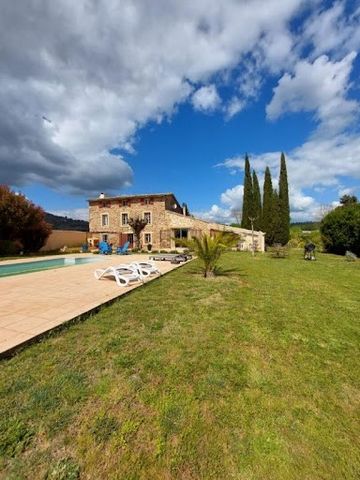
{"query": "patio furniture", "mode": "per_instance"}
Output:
(124, 274)
(124, 249)
(105, 248)
(146, 268)
(171, 257)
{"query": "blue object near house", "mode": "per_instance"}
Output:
(105, 248)
(124, 249)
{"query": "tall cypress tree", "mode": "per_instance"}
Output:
(267, 208)
(284, 233)
(247, 210)
(256, 202)
(276, 220)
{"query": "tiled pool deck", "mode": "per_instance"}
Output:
(34, 303)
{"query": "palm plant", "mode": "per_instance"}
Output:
(137, 224)
(209, 249)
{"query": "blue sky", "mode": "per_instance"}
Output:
(133, 97)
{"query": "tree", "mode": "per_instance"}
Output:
(276, 220)
(348, 199)
(284, 227)
(209, 249)
(247, 210)
(256, 213)
(21, 223)
(137, 224)
(267, 211)
(340, 229)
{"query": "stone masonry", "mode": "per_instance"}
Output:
(167, 218)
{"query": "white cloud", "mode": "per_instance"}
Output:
(206, 99)
(216, 214)
(74, 213)
(332, 31)
(321, 87)
(99, 71)
(234, 106)
(233, 197)
(318, 163)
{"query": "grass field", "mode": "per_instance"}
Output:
(251, 375)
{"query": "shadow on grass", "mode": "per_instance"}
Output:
(220, 272)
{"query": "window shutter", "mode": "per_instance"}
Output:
(142, 201)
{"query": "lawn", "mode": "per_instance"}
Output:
(251, 375)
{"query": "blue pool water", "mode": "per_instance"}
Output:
(38, 265)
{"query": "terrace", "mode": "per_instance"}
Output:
(34, 303)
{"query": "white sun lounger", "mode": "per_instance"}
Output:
(146, 268)
(124, 274)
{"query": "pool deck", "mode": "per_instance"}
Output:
(32, 304)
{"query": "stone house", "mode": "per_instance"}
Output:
(167, 221)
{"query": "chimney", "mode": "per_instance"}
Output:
(102, 195)
(185, 209)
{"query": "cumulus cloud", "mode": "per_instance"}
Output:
(216, 214)
(317, 163)
(332, 30)
(319, 87)
(234, 106)
(206, 99)
(99, 71)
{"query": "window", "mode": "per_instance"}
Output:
(147, 238)
(147, 217)
(104, 220)
(180, 234)
(124, 219)
(125, 203)
(104, 237)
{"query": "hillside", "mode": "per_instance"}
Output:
(65, 223)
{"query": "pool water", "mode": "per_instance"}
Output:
(39, 265)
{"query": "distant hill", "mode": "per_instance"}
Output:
(306, 225)
(65, 223)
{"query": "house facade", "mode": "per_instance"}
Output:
(167, 222)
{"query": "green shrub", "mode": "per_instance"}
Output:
(340, 229)
(9, 247)
(298, 238)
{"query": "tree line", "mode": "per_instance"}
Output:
(271, 212)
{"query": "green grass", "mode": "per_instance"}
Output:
(251, 375)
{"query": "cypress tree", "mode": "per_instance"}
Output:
(277, 220)
(247, 210)
(284, 233)
(267, 208)
(256, 202)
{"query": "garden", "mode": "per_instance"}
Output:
(251, 374)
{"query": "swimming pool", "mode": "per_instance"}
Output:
(38, 265)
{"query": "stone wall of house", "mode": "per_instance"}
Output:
(115, 230)
(198, 226)
(164, 220)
